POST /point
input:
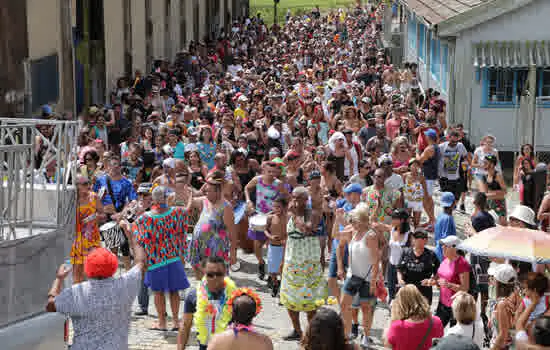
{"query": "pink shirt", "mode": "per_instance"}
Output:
(450, 271)
(392, 127)
(407, 335)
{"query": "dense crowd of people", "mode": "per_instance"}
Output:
(304, 145)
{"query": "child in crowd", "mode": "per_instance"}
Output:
(276, 234)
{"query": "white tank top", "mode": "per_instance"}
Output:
(350, 172)
(360, 257)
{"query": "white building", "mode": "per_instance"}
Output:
(483, 56)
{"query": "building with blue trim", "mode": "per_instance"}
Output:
(490, 59)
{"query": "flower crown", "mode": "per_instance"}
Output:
(245, 291)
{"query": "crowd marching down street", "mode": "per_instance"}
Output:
(303, 145)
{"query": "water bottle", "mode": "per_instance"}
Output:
(69, 268)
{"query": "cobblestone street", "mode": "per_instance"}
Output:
(273, 320)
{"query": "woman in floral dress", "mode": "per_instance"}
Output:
(214, 231)
(303, 284)
(206, 147)
(87, 229)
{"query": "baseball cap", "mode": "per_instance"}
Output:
(315, 174)
(431, 133)
(505, 273)
(145, 187)
(353, 188)
(385, 159)
(455, 342)
(447, 199)
(450, 241)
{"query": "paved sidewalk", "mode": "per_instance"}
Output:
(273, 320)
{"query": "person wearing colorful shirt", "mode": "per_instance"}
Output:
(381, 199)
(206, 305)
(159, 232)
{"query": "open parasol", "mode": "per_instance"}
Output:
(510, 243)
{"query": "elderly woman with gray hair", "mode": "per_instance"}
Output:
(303, 283)
(160, 232)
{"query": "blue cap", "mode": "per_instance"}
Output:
(447, 199)
(353, 188)
(431, 133)
(340, 203)
(46, 109)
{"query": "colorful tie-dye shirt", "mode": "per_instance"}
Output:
(162, 236)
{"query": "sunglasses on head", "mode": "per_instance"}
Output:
(214, 274)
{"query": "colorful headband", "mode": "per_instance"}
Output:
(245, 291)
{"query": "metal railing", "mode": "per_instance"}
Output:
(20, 140)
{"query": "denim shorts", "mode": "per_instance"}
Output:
(362, 289)
(333, 265)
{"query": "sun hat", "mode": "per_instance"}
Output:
(524, 214)
(447, 199)
(450, 241)
(505, 273)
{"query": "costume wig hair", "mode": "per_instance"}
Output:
(100, 263)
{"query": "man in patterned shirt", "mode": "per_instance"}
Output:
(101, 307)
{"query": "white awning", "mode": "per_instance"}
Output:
(511, 54)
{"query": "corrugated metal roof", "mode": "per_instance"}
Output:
(437, 11)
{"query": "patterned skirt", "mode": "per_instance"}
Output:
(303, 284)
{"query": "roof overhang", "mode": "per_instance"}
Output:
(478, 15)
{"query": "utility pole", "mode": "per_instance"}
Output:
(275, 3)
(67, 59)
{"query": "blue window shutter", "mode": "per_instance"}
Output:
(421, 40)
(444, 66)
(485, 87)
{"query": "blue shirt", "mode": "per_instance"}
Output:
(179, 152)
(444, 226)
(123, 191)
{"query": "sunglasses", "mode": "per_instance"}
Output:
(88, 159)
(214, 274)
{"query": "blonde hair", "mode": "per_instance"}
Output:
(464, 308)
(398, 141)
(410, 303)
(361, 214)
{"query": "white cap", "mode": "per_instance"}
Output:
(450, 241)
(169, 163)
(505, 273)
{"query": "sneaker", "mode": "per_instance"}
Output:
(293, 336)
(261, 271)
(354, 331)
(141, 313)
(365, 342)
(269, 282)
(463, 208)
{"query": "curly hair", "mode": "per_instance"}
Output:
(325, 332)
